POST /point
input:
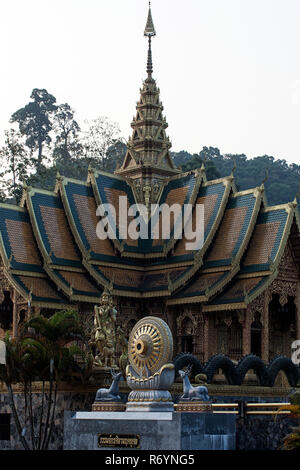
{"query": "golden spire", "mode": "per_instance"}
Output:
(149, 32)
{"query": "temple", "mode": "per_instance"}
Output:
(238, 294)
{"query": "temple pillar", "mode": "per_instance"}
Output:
(206, 337)
(37, 311)
(297, 303)
(265, 328)
(247, 331)
(171, 320)
(15, 315)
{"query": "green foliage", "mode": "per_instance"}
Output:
(102, 134)
(282, 182)
(292, 440)
(34, 120)
(43, 352)
(43, 339)
(15, 164)
(196, 162)
(295, 398)
(63, 147)
(67, 142)
(61, 327)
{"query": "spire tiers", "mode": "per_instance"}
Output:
(149, 61)
(148, 160)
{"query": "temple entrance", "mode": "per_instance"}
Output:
(187, 344)
(6, 312)
(187, 336)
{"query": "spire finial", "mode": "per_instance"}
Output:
(149, 32)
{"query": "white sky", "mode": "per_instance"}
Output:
(228, 70)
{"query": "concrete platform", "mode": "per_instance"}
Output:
(156, 430)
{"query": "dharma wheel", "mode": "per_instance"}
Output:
(150, 346)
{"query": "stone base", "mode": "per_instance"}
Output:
(108, 406)
(193, 407)
(152, 431)
(158, 406)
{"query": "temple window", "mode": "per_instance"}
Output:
(235, 340)
(6, 312)
(222, 338)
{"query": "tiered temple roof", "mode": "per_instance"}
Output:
(53, 257)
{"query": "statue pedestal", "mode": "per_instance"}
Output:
(108, 406)
(148, 431)
(193, 407)
(159, 406)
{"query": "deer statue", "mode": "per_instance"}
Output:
(111, 393)
(191, 393)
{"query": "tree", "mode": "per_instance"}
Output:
(196, 162)
(67, 130)
(35, 121)
(280, 186)
(15, 164)
(101, 135)
(42, 353)
(180, 158)
(114, 156)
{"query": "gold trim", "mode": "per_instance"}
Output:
(276, 208)
(186, 300)
(217, 308)
(192, 200)
(254, 274)
(35, 303)
(99, 202)
(48, 265)
(19, 272)
(64, 198)
(235, 266)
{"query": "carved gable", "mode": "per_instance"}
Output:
(288, 268)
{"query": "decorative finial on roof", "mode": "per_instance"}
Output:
(149, 32)
(234, 167)
(266, 177)
(297, 194)
(203, 164)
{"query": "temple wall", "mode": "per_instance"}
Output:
(65, 401)
(262, 432)
(252, 432)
